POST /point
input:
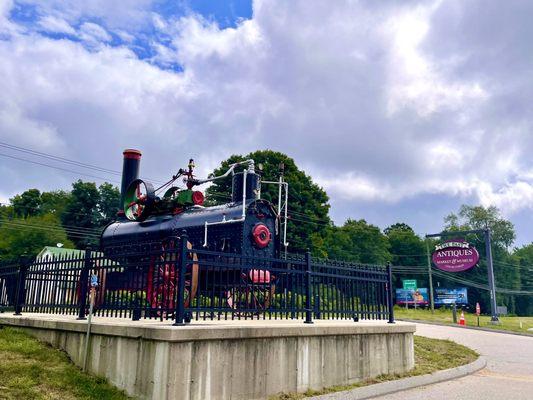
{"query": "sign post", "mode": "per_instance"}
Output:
(431, 297)
(492, 285)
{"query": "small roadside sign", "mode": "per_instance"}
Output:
(409, 284)
(478, 309)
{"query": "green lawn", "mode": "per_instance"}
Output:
(430, 355)
(30, 369)
(445, 316)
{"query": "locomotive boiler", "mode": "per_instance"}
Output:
(154, 220)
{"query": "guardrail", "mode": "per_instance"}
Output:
(181, 283)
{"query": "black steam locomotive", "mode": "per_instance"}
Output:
(247, 226)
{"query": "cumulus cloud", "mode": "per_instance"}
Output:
(56, 25)
(381, 102)
(94, 33)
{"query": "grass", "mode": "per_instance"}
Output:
(444, 316)
(30, 369)
(430, 355)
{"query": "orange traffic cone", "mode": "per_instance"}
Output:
(462, 320)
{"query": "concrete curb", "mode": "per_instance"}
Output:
(419, 321)
(381, 389)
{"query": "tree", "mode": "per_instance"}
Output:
(478, 217)
(524, 259)
(308, 203)
(109, 197)
(355, 241)
(29, 235)
(54, 202)
(27, 204)
(506, 272)
(82, 212)
(407, 249)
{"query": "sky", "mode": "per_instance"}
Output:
(401, 110)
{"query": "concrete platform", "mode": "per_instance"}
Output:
(227, 359)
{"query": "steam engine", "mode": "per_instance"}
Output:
(246, 225)
(150, 224)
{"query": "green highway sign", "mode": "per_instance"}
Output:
(409, 284)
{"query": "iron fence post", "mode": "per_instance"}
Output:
(84, 282)
(309, 290)
(180, 302)
(21, 283)
(389, 294)
(317, 307)
(136, 311)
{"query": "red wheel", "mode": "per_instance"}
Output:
(162, 280)
(250, 299)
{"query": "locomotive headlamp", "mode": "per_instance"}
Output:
(261, 235)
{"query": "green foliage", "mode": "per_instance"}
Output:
(54, 202)
(506, 271)
(444, 315)
(90, 207)
(524, 258)
(355, 241)
(27, 204)
(29, 235)
(407, 249)
(308, 203)
(32, 370)
(109, 197)
(82, 210)
(35, 219)
(479, 217)
(32, 202)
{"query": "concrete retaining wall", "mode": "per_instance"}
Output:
(228, 361)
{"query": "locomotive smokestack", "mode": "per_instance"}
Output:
(130, 172)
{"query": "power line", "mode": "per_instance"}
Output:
(68, 228)
(57, 158)
(86, 214)
(482, 286)
(65, 161)
(22, 227)
(59, 168)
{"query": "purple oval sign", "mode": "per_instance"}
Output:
(455, 256)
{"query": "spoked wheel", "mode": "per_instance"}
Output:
(162, 280)
(249, 299)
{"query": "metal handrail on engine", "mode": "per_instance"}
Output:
(243, 215)
(285, 185)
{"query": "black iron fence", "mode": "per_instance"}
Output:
(181, 283)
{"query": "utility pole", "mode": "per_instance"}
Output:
(431, 298)
(490, 271)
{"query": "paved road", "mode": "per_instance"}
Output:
(509, 372)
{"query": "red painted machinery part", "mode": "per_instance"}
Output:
(261, 235)
(132, 153)
(197, 198)
(259, 276)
